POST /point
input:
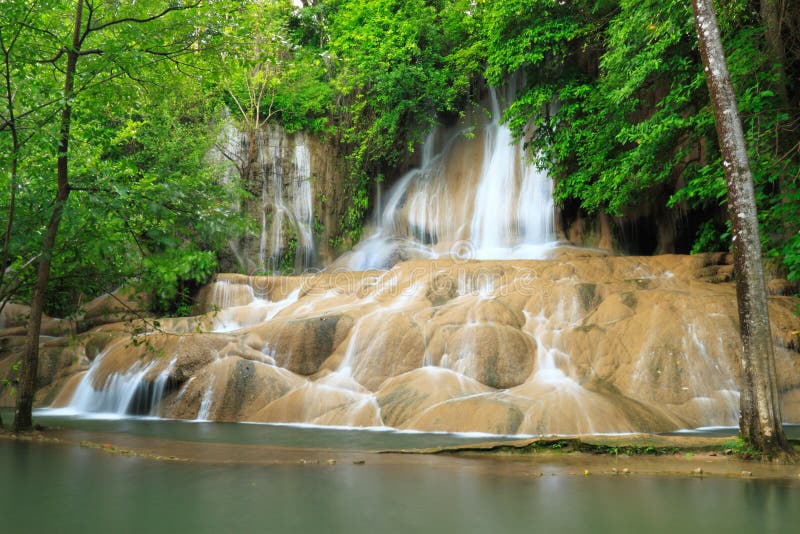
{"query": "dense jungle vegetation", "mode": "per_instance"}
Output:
(614, 90)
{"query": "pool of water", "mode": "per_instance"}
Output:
(58, 488)
(297, 436)
(54, 488)
(792, 431)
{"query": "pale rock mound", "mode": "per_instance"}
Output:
(581, 343)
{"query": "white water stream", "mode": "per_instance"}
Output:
(472, 197)
(511, 344)
(281, 183)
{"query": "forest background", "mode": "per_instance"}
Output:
(613, 104)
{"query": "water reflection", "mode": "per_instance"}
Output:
(66, 489)
(301, 436)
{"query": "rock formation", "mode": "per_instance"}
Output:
(583, 342)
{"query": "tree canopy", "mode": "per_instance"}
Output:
(612, 103)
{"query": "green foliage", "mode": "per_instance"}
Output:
(396, 65)
(629, 449)
(166, 275)
(618, 101)
(612, 102)
(11, 380)
(741, 448)
(144, 200)
(605, 140)
(534, 36)
(286, 264)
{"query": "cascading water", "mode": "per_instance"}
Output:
(277, 170)
(122, 393)
(471, 197)
(302, 208)
(581, 343)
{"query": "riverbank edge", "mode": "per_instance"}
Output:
(614, 444)
(613, 455)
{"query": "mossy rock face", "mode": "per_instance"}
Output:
(52, 360)
(589, 297)
(59, 359)
(14, 315)
(124, 304)
(11, 346)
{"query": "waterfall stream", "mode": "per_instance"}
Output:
(279, 178)
(404, 331)
(474, 195)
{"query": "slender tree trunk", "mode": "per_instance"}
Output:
(760, 420)
(771, 19)
(786, 137)
(14, 169)
(15, 149)
(23, 419)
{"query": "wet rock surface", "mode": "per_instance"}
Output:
(582, 343)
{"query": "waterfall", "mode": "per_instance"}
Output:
(205, 403)
(583, 342)
(227, 294)
(123, 393)
(491, 224)
(302, 207)
(280, 180)
(470, 197)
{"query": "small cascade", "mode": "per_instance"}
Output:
(122, 393)
(227, 294)
(552, 363)
(148, 397)
(276, 169)
(481, 285)
(302, 208)
(258, 311)
(205, 404)
(707, 389)
(560, 403)
(472, 197)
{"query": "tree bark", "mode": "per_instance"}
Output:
(23, 419)
(12, 126)
(760, 420)
(786, 137)
(771, 19)
(15, 151)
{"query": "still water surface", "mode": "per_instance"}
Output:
(298, 436)
(71, 489)
(54, 488)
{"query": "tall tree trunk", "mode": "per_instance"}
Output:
(12, 125)
(786, 137)
(771, 19)
(23, 419)
(15, 150)
(760, 421)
